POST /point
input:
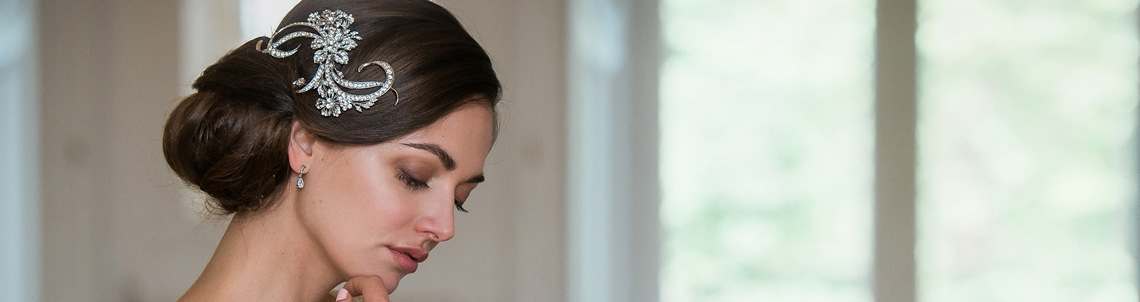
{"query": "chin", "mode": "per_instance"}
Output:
(391, 281)
(389, 276)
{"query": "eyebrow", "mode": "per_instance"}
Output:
(446, 159)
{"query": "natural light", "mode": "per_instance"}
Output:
(1025, 150)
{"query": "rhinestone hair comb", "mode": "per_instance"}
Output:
(332, 41)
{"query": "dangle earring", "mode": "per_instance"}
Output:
(301, 177)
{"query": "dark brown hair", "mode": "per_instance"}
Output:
(230, 137)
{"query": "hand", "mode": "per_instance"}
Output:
(371, 288)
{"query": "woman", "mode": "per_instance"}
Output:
(342, 145)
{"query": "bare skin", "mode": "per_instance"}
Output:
(367, 214)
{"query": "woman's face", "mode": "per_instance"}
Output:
(380, 209)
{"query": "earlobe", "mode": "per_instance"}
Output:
(301, 143)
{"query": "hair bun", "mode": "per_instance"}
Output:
(229, 138)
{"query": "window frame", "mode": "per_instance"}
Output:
(893, 265)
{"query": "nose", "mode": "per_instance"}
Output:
(438, 222)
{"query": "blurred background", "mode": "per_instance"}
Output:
(652, 150)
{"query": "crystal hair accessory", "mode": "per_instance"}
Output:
(332, 41)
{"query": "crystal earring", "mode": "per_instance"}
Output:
(301, 177)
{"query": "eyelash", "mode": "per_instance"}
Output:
(417, 185)
(411, 182)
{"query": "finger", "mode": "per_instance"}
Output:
(370, 287)
(342, 295)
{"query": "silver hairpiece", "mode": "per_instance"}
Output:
(332, 42)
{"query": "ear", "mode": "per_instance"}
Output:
(301, 144)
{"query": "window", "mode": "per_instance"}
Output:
(1025, 172)
(766, 131)
(260, 17)
(1026, 162)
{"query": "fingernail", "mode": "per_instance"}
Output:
(342, 295)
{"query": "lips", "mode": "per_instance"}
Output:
(408, 258)
(419, 255)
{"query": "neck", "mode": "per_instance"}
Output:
(265, 256)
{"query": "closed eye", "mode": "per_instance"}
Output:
(412, 183)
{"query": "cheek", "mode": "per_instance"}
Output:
(352, 214)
